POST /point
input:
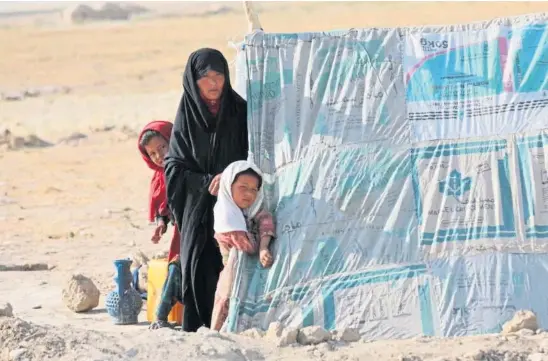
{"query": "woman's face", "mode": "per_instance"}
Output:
(211, 85)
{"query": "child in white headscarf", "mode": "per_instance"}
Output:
(239, 222)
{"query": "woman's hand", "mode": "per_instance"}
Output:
(265, 257)
(161, 228)
(214, 185)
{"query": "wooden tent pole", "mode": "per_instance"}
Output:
(252, 17)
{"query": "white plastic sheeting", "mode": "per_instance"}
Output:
(406, 171)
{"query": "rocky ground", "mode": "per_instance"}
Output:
(22, 340)
(73, 187)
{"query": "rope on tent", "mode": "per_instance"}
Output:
(252, 17)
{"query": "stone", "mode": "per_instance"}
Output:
(72, 139)
(204, 331)
(251, 354)
(280, 335)
(132, 352)
(33, 141)
(80, 294)
(543, 346)
(409, 358)
(288, 337)
(346, 335)
(525, 332)
(16, 143)
(12, 141)
(208, 333)
(6, 310)
(326, 347)
(253, 333)
(275, 330)
(537, 357)
(476, 355)
(508, 355)
(317, 353)
(31, 93)
(17, 354)
(13, 96)
(522, 319)
(313, 335)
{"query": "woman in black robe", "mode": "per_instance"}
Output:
(209, 133)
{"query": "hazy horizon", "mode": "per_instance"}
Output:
(22, 6)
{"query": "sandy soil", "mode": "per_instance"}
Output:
(81, 203)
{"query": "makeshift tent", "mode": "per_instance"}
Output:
(406, 170)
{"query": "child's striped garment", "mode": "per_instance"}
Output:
(260, 226)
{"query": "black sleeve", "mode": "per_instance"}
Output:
(186, 182)
(183, 186)
(163, 218)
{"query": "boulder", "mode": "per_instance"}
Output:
(523, 319)
(6, 310)
(253, 333)
(275, 330)
(288, 337)
(80, 294)
(281, 336)
(313, 335)
(346, 335)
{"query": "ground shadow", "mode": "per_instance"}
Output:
(96, 311)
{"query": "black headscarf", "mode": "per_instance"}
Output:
(202, 145)
(199, 63)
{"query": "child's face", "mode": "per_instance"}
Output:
(244, 190)
(157, 150)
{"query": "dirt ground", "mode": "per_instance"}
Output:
(81, 203)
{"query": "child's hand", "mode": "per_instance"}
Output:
(265, 257)
(223, 248)
(237, 240)
(161, 228)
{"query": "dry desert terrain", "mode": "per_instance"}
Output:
(81, 203)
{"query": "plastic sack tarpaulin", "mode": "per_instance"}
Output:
(406, 171)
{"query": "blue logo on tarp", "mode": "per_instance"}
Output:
(455, 185)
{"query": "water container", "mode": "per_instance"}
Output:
(124, 303)
(157, 275)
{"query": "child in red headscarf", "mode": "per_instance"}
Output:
(153, 144)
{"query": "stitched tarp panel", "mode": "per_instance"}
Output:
(405, 168)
